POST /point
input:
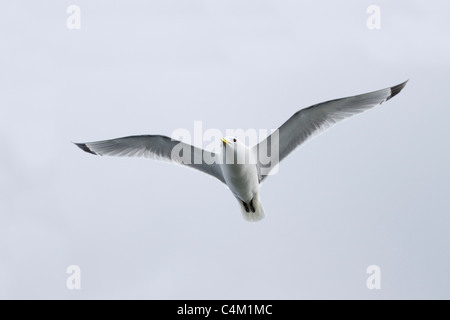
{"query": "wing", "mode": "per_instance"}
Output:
(312, 120)
(155, 147)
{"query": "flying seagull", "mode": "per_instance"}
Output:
(244, 178)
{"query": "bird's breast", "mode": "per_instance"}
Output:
(242, 179)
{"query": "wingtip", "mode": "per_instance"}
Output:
(84, 147)
(395, 90)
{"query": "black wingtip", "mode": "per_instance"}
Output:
(395, 90)
(84, 147)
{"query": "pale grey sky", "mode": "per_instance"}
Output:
(372, 190)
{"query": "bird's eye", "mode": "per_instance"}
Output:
(234, 139)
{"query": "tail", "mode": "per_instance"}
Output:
(247, 211)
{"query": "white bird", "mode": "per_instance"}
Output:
(244, 178)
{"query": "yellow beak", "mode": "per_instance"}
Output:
(224, 141)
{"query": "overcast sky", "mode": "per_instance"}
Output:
(373, 190)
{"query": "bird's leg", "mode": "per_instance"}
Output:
(251, 206)
(245, 206)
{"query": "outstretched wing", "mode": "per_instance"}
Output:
(155, 147)
(317, 118)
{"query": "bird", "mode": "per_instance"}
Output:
(244, 178)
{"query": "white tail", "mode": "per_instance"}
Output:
(253, 216)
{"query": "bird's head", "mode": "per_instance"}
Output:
(230, 142)
(234, 151)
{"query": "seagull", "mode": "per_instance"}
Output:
(244, 178)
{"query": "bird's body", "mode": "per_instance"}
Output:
(241, 168)
(242, 178)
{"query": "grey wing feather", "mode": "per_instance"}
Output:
(312, 120)
(154, 147)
